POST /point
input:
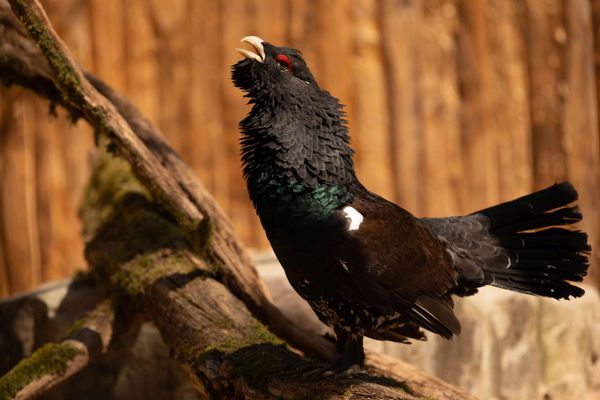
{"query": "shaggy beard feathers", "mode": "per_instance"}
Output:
(301, 139)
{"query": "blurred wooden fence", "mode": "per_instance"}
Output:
(453, 105)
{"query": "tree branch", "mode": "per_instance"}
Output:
(55, 362)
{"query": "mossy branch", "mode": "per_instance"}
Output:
(55, 362)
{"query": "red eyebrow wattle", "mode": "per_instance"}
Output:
(285, 59)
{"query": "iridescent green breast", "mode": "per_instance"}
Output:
(283, 200)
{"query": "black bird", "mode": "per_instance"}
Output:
(366, 266)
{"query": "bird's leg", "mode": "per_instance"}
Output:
(350, 357)
(350, 352)
(341, 341)
(355, 353)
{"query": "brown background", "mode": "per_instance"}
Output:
(453, 105)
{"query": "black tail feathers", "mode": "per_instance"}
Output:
(545, 251)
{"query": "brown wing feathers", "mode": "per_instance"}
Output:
(409, 273)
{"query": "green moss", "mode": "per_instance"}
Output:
(224, 323)
(132, 279)
(77, 325)
(52, 358)
(111, 183)
(104, 307)
(256, 353)
(131, 282)
(233, 340)
(260, 334)
(58, 62)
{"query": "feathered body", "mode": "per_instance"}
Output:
(366, 266)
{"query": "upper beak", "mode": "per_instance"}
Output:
(257, 44)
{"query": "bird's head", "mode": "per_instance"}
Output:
(272, 71)
(295, 131)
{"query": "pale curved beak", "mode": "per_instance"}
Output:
(257, 44)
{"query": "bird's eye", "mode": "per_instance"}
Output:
(284, 62)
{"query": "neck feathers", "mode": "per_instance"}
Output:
(304, 140)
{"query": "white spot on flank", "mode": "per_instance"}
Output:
(344, 265)
(354, 217)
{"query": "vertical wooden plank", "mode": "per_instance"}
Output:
(20, 229)
(4, 120)
(171, 59)
(370, 120)
(233, 29)
(495, 111)
(580, 129)
(52, 186)
(440, 169)
(328, 43)
(595, 4)
(563, 101)
(140, 68)
(481, 186)
(398, 23)
(546, 38)
(28, 185)
(107, 37)
(507, 115)
(48, 200)
(297, 17)
(271, 21)
(207, 149)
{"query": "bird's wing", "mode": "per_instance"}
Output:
(396, 264)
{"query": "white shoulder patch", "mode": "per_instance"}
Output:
(354, 217)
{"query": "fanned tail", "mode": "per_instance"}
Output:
(545, 251)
